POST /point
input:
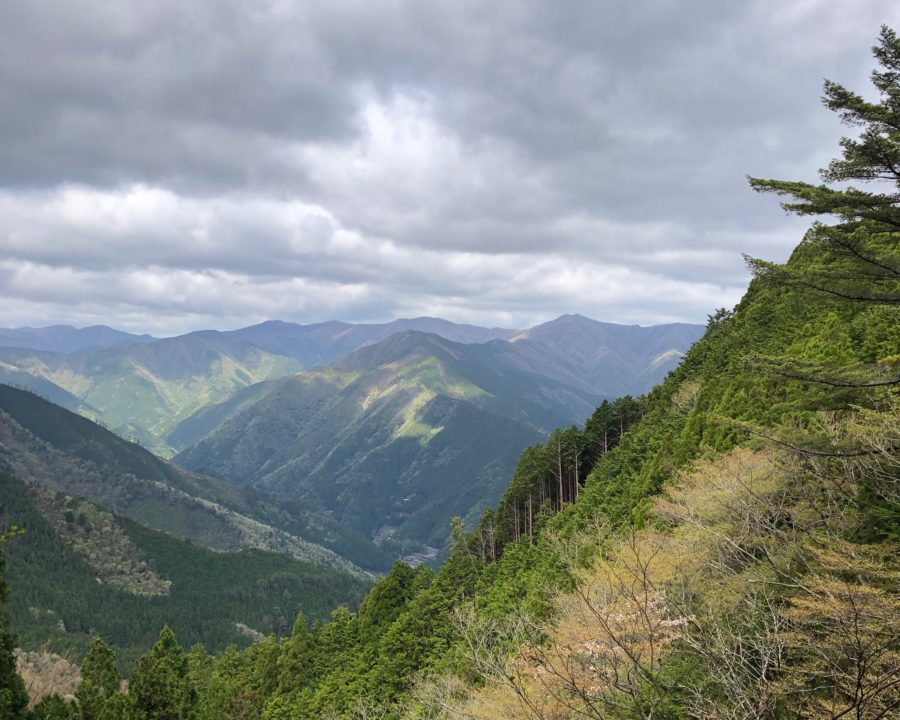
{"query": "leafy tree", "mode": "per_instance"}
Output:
(100, 679)
(160, 686)
(843, 646)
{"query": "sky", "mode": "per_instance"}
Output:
(168, 166)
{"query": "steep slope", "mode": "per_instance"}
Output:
(322, 343)
(392, 440)
(12, 375)
(45, 444)
(79, 571)
(603, 357)
(142, 390)
(65, 339)
(750, 508)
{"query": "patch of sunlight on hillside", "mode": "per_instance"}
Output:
(432, 374)
(412, 425)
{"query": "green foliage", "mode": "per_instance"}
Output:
(13, 697)
(297, 658)
(550, 477)
(160, 686)
(857, 259)
(53, 707)
(100, 679)
(118, 707)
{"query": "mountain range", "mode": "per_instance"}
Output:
(392, 440)
(384, 431)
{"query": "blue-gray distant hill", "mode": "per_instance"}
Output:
(321, 343)
(600, 357)
(65, 339)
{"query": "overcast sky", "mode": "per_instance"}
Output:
(169, 165)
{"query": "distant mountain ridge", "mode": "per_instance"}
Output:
(391, 440)
(65, 339)
(322, 343)
(168, 393)
(606, 357)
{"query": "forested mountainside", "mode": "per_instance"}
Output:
(730, 550)
(393, 440)
(47, 445)
(80, 571)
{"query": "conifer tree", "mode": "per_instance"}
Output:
(118, 707)
(100, 679)
(13, 696)
(53, 707)
(857, 259)
(297, 658)
(160, 687)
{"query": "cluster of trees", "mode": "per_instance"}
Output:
(550, 476)
(161, 687)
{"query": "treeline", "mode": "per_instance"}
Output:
(550, 476)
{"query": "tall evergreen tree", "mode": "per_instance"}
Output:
(100, 679)
(858, 258)
(160, 687)
(53, 707)
(855, 260)
(297, 658)
(13, 696)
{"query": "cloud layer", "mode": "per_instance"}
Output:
(167, 165)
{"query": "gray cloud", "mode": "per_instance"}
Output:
(169, 165)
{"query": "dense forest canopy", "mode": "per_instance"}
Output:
(724, 547)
